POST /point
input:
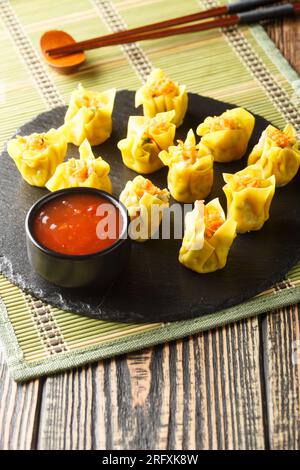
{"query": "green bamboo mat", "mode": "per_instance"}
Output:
(241, 66)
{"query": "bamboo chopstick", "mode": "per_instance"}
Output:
(154, 31)
(238, 6)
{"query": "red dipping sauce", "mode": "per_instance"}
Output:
(78, 224)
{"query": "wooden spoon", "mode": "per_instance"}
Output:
(64, 63)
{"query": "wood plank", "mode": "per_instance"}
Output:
(202, 392)
(228, 399)
(67, 411)
(281, 339)
(92, 407)
(286, 35)
(19, 411)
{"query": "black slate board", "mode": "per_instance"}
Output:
(155, 287)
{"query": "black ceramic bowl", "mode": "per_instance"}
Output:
(96, 269)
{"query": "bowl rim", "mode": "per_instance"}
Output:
(55, 194)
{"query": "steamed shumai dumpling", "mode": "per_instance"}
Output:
(191, 171)
(145, 204)
(249, 195)
(37, 155)
(87, 171)
(228, 135)
(208, 238)
(160, 94)
(146, 137)
(277, 152)
(89, 116)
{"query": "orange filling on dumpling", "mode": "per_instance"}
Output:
(247, 181)
(89, 102)
(33, 142)
(221, 124)
(212, 221)
(162, 87)
(159, 128)
(280, 138)
(148, 187)
(79, 169)
(189, 152)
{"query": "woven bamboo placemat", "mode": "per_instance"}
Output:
(241, 66)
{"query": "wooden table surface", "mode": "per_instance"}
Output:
(236, 387)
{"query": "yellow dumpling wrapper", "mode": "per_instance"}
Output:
(249, 195)
(208, 238)
(191, 173)
(37, 155)
(278, 154)
(87, 171)
(160, 94)
(146, 137)
(228, 135)
(145, 204)
(89, 116)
